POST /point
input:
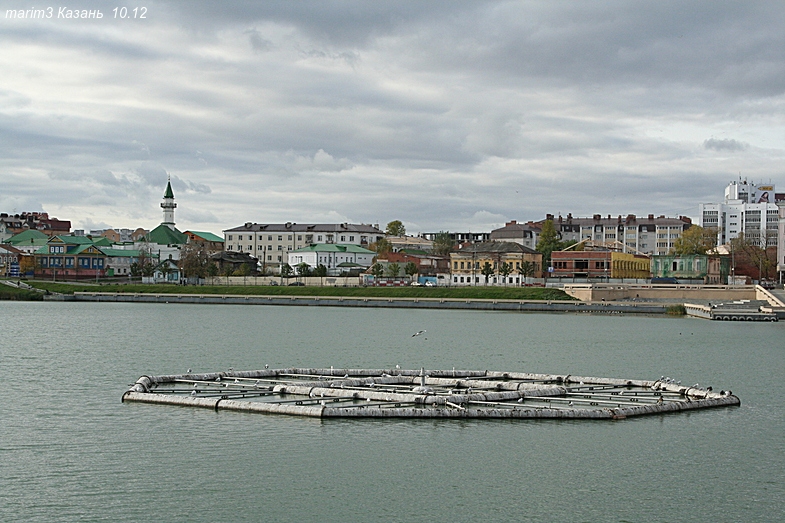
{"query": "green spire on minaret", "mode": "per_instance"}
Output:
(168, 193)
(168, 206)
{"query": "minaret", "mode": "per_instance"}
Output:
(168, 205)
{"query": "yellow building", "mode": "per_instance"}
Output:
(467, 264)
(627, 265)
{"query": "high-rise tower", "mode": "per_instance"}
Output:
(168, 206)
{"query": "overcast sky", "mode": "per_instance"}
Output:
(456, 115)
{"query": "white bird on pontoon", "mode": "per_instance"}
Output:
(418, 333)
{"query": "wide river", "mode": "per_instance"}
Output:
(71, 451)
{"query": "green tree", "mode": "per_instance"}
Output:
(244, 270)
(487, 271)
(548, 242)
(443, 243)
(286, 270)
(321, 272)
(395, 228)
(378, 271)
(212, 270)
(144, 264)
(695, 240)
(505, 271)
(527, 269)
(303, 269)
(393, 269)
(383, 246)
(193, 260)
(410, 269)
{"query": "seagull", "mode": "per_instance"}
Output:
(266, 366)
(189, 371)
(570, 404)
(520, 400)
(193, 393)
(418, 333)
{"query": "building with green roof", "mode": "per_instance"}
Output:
(70, 257)
(336, 257)
(28, 241)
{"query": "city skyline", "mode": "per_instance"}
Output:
(456, 117)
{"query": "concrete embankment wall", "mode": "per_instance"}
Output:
(672, 293)
(404, 303)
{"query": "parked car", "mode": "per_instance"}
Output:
(297, 284)
(430, 284)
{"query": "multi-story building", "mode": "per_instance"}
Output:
(781, 240)
(211, 242)
(600, 263)
(460, 237)
(747, 208)
(640, 235)
(270, 242)
(40, 221)
(526, 234)
(9, 257)
(466, 263)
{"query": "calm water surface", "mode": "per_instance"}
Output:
(70, 451)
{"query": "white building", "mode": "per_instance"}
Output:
(781, 241)
(637, 234)
(747, 208)
(271, 243)
(335, 258)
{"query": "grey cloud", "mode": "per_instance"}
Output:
(258, 43)
(725, 144)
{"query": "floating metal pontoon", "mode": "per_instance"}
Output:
(385, 393)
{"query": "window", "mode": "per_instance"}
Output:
(290, 237)
(319, 238)
(280, 238)
(351, 238)
(229, 238)
(461, 265)
(343, 238)
(260, 247)
(240, 237)
(269, 258)
(299, 237)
